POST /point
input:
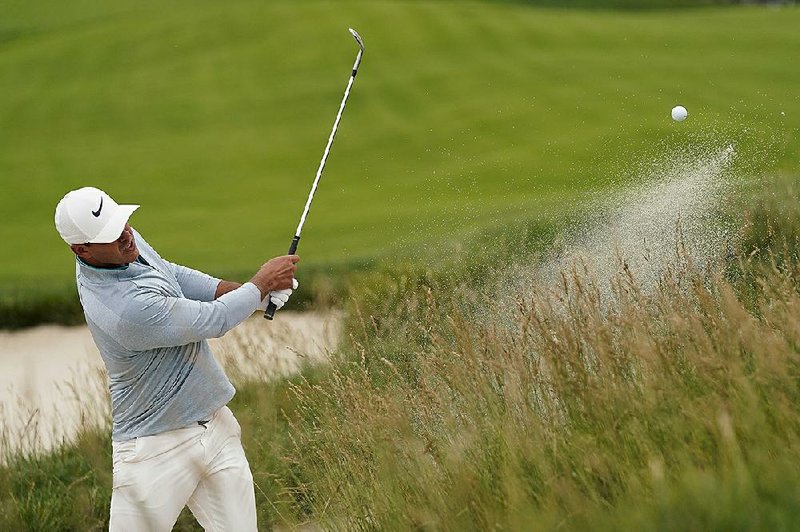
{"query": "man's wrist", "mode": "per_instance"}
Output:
(250, 286)
(223, 287)
(264, 285)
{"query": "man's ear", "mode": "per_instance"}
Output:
(80, 250)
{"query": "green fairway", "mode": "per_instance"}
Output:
(464, 116)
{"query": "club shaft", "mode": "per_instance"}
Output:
(328, 146)
(271, 307)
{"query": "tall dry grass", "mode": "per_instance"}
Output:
(673, 408)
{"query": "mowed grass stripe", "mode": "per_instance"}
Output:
(214, 118)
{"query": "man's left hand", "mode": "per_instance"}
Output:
(278, 297)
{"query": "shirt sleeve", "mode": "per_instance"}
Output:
(152, 319)
(194, 284)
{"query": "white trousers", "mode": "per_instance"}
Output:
(202, 467)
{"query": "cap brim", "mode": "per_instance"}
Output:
(113, 229)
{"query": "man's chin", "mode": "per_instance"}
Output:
(132, 255)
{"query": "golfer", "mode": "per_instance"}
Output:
(175, 443)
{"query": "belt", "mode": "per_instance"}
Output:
(205, 423)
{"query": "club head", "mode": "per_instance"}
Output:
(357, 37)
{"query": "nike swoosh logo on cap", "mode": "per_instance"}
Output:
(100, 208)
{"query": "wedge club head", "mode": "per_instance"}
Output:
(357, 37)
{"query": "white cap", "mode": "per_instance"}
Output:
(90, 215)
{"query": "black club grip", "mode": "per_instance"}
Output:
(271, 308)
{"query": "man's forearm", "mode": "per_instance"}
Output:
(224, 287)
(275, 274)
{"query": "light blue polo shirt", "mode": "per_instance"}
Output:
(150, 321)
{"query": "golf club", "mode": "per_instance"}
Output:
(270, 312)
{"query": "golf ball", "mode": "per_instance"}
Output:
(679, 113)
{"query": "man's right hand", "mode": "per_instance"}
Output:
(276, 274)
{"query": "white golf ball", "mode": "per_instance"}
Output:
(679, 113)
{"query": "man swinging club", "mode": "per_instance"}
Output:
(175, 443)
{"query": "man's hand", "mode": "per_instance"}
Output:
(278, 297)
(276, 274)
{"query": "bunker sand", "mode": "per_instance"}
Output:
(53, 382)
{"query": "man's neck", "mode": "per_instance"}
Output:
(102, 266)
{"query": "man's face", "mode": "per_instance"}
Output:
(117, 253)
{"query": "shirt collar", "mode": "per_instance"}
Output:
(102, 268)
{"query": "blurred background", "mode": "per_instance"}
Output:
(466, 116)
